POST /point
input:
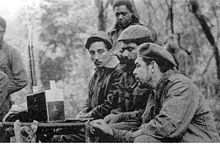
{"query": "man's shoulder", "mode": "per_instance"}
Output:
(9, 48)
(181, 82)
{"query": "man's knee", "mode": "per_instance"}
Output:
(146, 139)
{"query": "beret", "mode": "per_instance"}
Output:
(99, 36)
(155, 52)
(135, 32)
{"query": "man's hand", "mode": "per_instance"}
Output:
(84, 115)
(112, 118)
(101, 126)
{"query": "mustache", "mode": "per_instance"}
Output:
(96, 62)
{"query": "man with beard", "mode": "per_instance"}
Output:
(125, 17)
(132, 99)
(102, 96)
(177, 113)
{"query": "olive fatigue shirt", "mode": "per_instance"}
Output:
(178, 113)
(103, 92)
(11, 64)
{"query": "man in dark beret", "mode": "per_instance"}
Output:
(132, 99)
(11, 64)
(177, 113)
(102, 96)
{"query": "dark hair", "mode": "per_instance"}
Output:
(163, 65)
(127, 3)
(97, 39)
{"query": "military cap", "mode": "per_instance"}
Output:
(155, 52)
(135, 32)
(2, 22)
(99, 36)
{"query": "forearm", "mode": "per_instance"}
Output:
(15, 86)
(123, 136)
(131, 115)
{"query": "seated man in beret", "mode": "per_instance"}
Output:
(102, 96)
(132, 99)
(177, 113)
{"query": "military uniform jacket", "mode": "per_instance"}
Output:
(177, 113)
(4, 97)
(12, 65)
(103, 92)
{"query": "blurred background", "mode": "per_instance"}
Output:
(59, 29)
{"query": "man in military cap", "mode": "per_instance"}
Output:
(177, 113)
(132, 99)
(102, 96)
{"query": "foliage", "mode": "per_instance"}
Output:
(60, 28)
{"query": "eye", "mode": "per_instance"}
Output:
(117, 14)
(123, 13)
(91, 52)
(100, 51)
(137, 65)
(130, 49)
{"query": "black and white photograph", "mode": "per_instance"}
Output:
(109, 71)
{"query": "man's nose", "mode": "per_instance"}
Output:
(120, 16)
(96, 56)
(125, 53)
(134, 72)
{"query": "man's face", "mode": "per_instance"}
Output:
(99, 54)
(129, 52)
(2, 32)
(123, 16)
(143, 72)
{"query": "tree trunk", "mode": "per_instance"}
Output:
(194, 8)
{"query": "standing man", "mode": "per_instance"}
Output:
(177, 113)
(132, 99)
(11, 63)
(125, 17)
(103, 93)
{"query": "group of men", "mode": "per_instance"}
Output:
(137, 93)
(141, 96)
